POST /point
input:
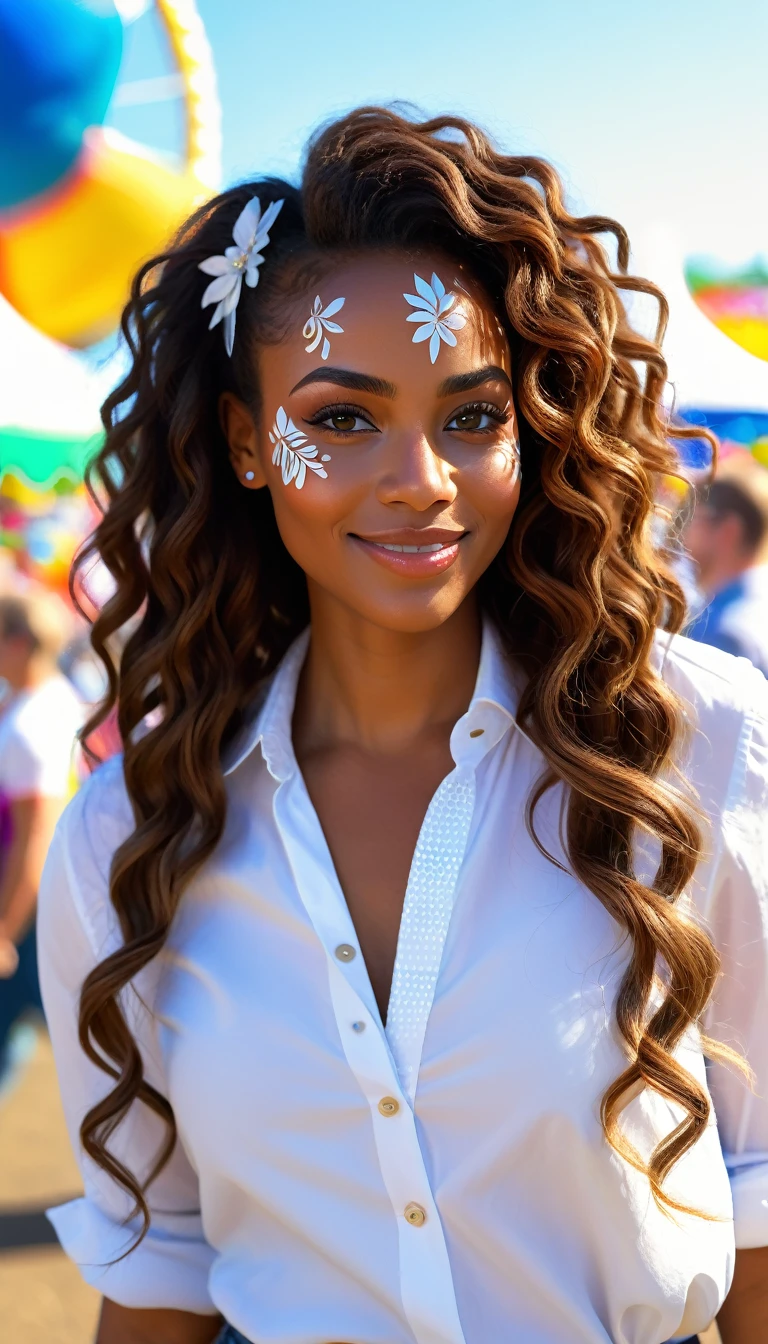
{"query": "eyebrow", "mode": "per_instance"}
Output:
(379, 387)
(465, 382)
(356, 382)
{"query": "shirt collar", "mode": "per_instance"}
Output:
(491, 711)
(493, 706)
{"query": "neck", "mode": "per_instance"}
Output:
(383, 690)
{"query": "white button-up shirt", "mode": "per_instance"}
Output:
(443, 1179)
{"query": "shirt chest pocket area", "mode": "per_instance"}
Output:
(249, 1043)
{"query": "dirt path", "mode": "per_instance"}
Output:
(43, 1300)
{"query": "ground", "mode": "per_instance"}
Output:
(43, 1300)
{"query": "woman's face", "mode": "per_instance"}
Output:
(390, 446)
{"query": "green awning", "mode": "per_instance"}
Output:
(43, 459)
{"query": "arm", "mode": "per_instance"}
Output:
(33, 821)
(737, 913)
(35, 770)
(743, 1317)
(164, 1277)
(127, 1325)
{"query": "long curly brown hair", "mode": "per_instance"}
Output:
(577, 593)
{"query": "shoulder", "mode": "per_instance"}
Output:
(709, 680)
(100, 815)
(725, 701)
(91, 828)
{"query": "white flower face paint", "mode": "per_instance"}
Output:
(438, 322)
(292, 453)
(317, 325)
(515, 451)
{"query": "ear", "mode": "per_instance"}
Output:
(242, 436)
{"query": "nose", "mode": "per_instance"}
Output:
(416, 475)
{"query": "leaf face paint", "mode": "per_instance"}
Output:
(433, 305)
(318, 324)
(292, 453)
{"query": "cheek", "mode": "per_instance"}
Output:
(492, 483)
(308, 518)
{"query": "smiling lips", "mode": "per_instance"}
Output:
(411, 551)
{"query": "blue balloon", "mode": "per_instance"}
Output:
(59, 61)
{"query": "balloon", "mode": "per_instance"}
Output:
(59, 61)
(736, 300)
(67, 254)
(66, 267)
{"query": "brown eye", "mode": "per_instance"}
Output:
(343, 421)
(477, 419)
(470, 420)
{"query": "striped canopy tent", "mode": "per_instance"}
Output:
(49, 428)
(734, 428)
(49, 406)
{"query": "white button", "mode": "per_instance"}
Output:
(358, 1027)
(476, 732)
(345, 952)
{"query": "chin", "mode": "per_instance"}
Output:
(410, 613)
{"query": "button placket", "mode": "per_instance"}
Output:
(428, 1292)
(426, 918)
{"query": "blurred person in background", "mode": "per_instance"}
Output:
(727, 539)
(39, 717)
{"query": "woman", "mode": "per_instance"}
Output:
(372, 983)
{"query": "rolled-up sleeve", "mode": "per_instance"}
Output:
(738, 921)
(170, 1267)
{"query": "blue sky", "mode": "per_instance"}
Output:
(655, 113)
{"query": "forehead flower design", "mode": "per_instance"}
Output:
(292, 453)
(433, 306)
(251, 235)
(318, 323)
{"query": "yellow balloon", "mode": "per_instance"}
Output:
(66, 261)
(67, 267)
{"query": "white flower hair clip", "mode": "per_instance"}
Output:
(251, 235)
(438, 322)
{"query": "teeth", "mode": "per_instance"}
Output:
(415, 550)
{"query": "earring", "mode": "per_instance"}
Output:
(249, 475)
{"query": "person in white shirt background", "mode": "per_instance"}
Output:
(40, 715)
(727, 538)
(381, 967)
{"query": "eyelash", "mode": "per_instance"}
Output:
(341, 408)
(483, 408)
(348, 408)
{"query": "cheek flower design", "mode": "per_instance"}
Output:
(433, 306)
(317, 325)
(242, 260)
(292, 453)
